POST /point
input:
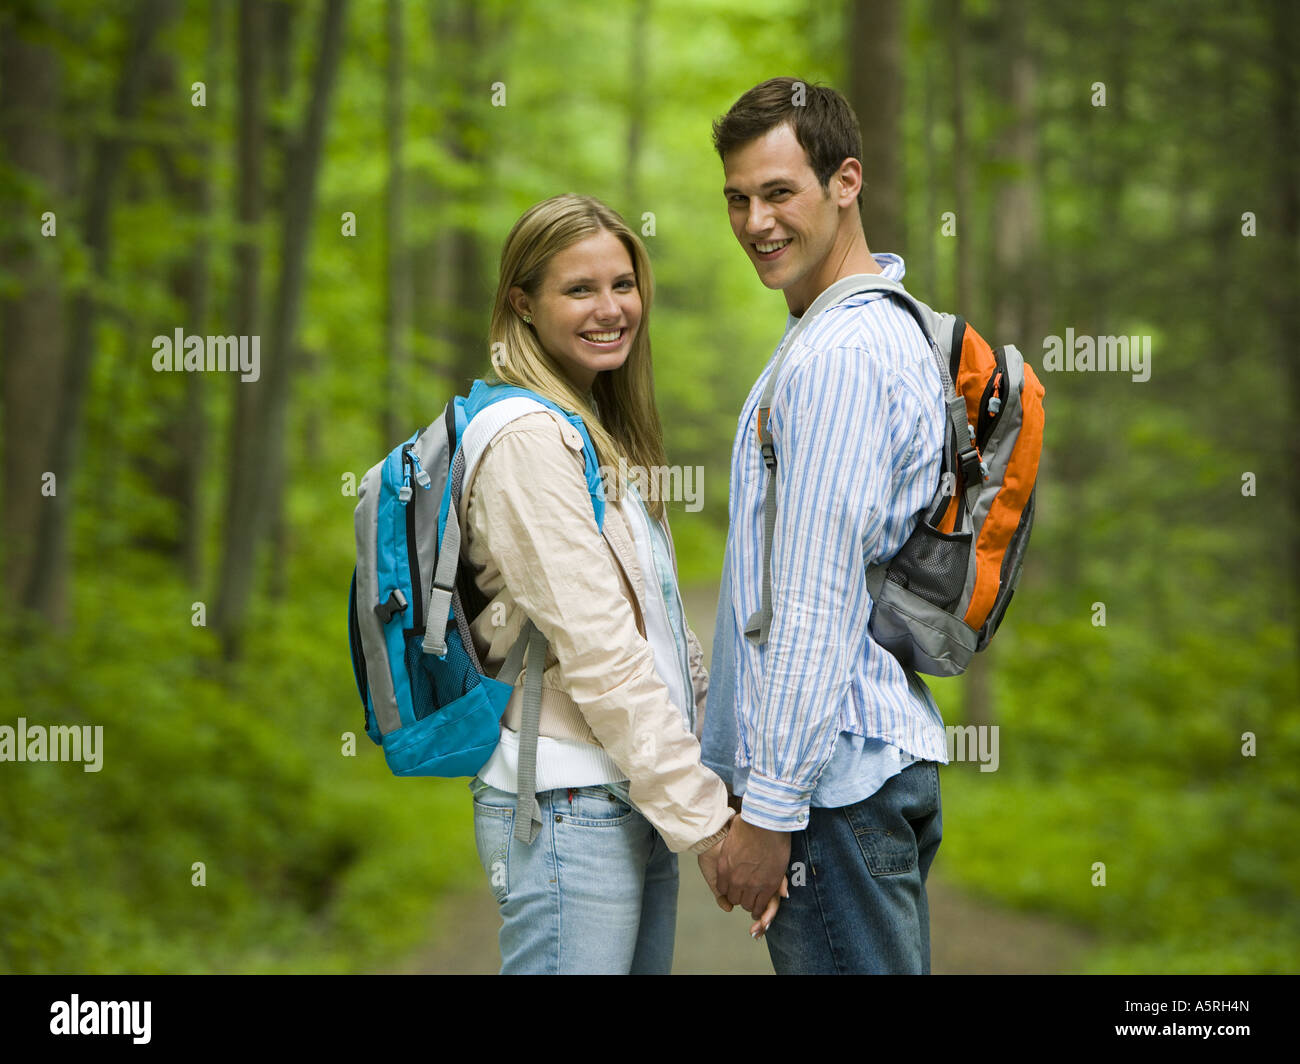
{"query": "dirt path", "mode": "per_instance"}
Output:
(967, 934)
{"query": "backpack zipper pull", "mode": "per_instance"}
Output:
(995, 403)
(421, 477)
(405, 493)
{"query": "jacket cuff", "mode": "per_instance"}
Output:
(704, 845)
(776, 805)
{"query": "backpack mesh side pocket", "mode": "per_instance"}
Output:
(932, 565)
(438, 682)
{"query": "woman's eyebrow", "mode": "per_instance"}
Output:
(629, 275)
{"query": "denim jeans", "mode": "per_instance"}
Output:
(857, 883)
(596, 892)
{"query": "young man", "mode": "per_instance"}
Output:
(832, 744)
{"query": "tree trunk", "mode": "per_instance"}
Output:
(956, 31)
(636, 121)
(32, 321)
(46, 577)
(280, 56)
(463, 301)
(268, 472)
(1284, 243)
(398, 278)
(176, 469)
(235, 577)
(875, 84)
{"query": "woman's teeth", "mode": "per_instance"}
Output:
(602, 337)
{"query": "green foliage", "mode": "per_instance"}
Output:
(313, 861)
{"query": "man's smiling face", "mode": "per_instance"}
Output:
(783, 218)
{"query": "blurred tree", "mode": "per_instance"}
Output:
(875, 91)
(266, 451)
(46, 579)
(32, 323)
(235, 575)
(397, 274)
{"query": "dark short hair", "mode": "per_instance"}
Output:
(824, 124)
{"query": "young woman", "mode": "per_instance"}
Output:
(620, 787)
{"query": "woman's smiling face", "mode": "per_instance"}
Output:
(587, 308)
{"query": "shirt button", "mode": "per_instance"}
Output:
(800, 818)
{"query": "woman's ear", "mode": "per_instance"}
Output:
(519, 300)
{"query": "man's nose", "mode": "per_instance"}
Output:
(759, 218)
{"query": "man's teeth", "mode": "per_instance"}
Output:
(602, 337)
(764, 249)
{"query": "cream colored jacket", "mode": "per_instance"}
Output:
(530, 537)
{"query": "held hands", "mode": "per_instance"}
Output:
(748, 869)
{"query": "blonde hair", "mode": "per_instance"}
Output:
(624, 421)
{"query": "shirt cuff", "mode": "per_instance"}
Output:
(705, 845)
(775, 804)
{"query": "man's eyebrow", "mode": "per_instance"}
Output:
(776, 182)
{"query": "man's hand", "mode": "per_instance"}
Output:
(709, 868)
(751, 866)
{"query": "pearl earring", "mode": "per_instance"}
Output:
(528, 318)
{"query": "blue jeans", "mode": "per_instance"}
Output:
(857, 883)
(596, 892)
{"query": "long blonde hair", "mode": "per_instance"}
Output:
(624, 422)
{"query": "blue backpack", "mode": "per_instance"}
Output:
(427, 701)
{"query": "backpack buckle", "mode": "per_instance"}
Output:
(769, 456)
(395, 603)
(973, 467)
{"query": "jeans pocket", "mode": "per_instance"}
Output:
(592, 807)
(887, 853)
(493, 827)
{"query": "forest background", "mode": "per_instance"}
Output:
(337, 178)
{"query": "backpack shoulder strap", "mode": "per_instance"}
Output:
(942, 332)
(465, 454)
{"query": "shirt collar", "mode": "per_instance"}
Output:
(891, 264)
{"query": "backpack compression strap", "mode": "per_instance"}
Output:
(756, 628)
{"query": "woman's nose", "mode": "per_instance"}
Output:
(608, 309)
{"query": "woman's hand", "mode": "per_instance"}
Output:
(760, 926)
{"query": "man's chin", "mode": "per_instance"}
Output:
(776, 280)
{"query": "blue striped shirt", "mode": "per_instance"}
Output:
(857, 419)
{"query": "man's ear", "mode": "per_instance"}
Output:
(847, 182)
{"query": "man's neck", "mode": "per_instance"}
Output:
(848, 256)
